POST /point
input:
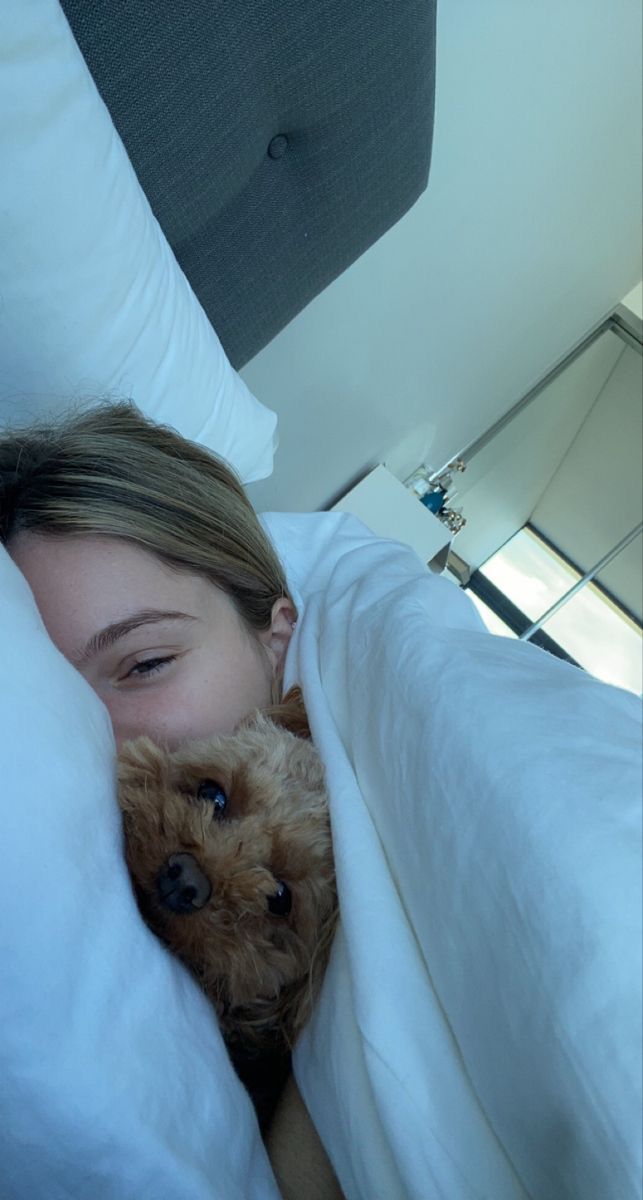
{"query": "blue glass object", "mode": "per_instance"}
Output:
(434, 501)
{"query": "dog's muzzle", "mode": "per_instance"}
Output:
(181, 885)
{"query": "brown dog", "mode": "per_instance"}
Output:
(228, 844)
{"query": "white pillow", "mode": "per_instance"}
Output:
(92, 301)
(115, 1081)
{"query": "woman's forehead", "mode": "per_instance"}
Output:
(83, 583)
(72, 560)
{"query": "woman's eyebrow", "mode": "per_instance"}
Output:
(106, 637)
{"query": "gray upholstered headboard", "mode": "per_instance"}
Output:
(276, 140)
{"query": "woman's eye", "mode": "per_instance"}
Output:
(149, 666)
(213, 792)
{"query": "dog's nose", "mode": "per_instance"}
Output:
(181, 885)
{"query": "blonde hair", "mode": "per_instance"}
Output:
(111, 471)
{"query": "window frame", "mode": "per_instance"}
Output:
(513, 616)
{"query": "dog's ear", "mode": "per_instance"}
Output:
(291, 713)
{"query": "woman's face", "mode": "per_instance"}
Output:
(166, 652)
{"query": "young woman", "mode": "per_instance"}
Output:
(154, 578)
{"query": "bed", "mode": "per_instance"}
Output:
(478, 1035)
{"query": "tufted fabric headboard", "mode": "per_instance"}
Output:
(275, 141)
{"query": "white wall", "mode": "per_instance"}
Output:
(634, 300)
(505, 480)
(529, 233)
(596, 496)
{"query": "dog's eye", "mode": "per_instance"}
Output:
(214, 794)
(280, 903)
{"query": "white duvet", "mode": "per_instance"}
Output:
(479, 1029)
(479, 1032)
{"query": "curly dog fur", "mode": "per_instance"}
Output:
(228, 843)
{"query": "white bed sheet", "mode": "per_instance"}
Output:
(479, 1030)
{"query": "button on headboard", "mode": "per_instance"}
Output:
(275, 141)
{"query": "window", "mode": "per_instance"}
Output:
(520, 582)
(529, 573)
